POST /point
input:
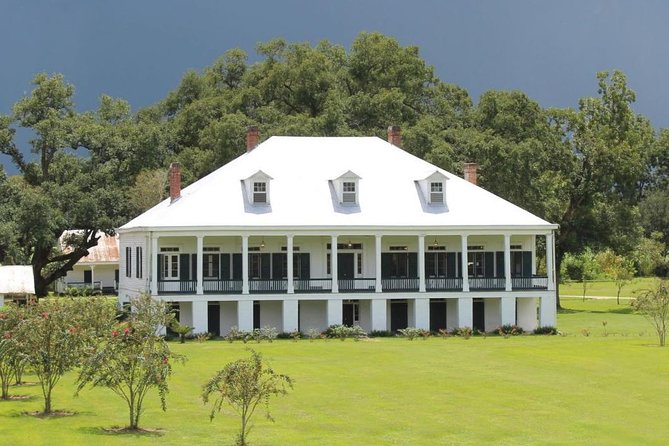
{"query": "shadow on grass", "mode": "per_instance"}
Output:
(621, 310)
(123, 431)
(18, 398)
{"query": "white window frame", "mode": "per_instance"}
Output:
(260, 190)
(437, 192)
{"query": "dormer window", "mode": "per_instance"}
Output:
(346, 186)
(349, 192)
(436, 192)
(259, 192)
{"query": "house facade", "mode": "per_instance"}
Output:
(99, 270)
(302, 233)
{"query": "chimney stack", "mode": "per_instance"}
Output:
(252, 137)
(174, 177)
(395, 135)
(471, 172)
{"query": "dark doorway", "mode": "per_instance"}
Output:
(88, 276)
(437, 314)
(398, 315)
(350, 313)
(256, 314)
(345, 266)
(214, 318)
(478, 315)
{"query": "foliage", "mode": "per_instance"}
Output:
(649, 255)
(509, 330)
(545, 330)
(654, 305)
(620, 269)
(10, 347)
(463, 332)
(381, 334)
(56, 335)
(412, 332)
(265, 333)
(342, 332)
(181, 329)
(244, 384)
(133, 358)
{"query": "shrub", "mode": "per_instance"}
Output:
(342, 332)
(509, 330)
(381, 334)
(312, 334)
(412, 332)
(545, 330)
(443, 333)
(463, 332)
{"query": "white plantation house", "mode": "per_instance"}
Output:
(97, 271)
(307, 232)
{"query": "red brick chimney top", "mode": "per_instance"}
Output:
(395, 135)
(252, 137)
(471, 172)
(174, 177)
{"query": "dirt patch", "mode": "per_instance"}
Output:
(54, 414)
(128, 430)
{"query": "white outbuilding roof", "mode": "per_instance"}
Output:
(17, 279)
(302, 194)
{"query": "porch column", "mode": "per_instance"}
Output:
(289, 314)
(93, 276)
(245, 270)
(333, 264)
(527, 313)
(465, 312)
(200, 316)
(200, 274)
(421, 264)
(507, 262)
(508, 310)
(377, 247)
(547, 311)
(534, 254)
(550, 256)
(379, 313)
(463, 264)
(421, 311)
(245, 315)
(154, 265)
(334, 310)
(289, 253)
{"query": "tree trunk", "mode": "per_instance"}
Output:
(47, 402)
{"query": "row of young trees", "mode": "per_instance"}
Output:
(599, 170)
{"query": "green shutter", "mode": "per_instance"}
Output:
(184, 266)
(450, 264)
(305, 267)
(527, 263)
(193, 261)
(277, 265)
(161, 259)
(225, 266)
(216, 265)
(236, 267)
(413, 265)
(386, 265)
(488, 264)
(265, 266)
(500, 263)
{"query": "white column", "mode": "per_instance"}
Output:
(200, 316)
(547, 311)
(465, 312)
(93, 275)
(377, 247)
(527, 313)
(2, 300)
(200, 274)
(508, 286)
(245, 270)
(245, 315)
(421, 263)
(290, 322)
(463, 264)
(534, 254)
(508, 310)
(550, 257)
(154, 265)
(421, 311)
(379, 313)
(333, 264)
(289, 253)
(334, 310)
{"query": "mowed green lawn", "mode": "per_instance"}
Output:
(606, 288)
(528, 390)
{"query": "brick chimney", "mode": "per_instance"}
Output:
(174, 177)
(471, 172)
(395, 135)
(252, 137)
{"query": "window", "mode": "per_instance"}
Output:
(255, 266)
(328, 263)
(435, 264)
(517, 247)
(259, 192)
(138, 261)
(359, 263)
(436, 192)
(210, 266)
(128, 261)
(475, 263)
(398, 248)
(348, 195)
(171, 266)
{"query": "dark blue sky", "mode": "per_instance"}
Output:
(139, 50)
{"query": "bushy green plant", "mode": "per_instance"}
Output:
(180, 329)
(463, 332)
(412, 332)
(545, 330)
(381, 334)
(312, 334)
(654, 305)
(10, 346)
(509, 330)
(342, 332)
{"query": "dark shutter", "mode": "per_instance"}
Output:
(184, 266)
(429, 264)
(237, 267)
(386, 265)
(225, 266)
(305, 267)
(265, 266)
(277, 265)
(500, 263)
(527, 263)
(460, 264)
(161, 259)
(488, 264)
(450, 264)
(413, 265)
(193, 262)
(441, 264)
(215, 265)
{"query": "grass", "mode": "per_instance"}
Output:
(526, 390)
(605, 288)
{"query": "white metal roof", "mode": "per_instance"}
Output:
(302, 196)
(17, 279)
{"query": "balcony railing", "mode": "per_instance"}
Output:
(177, 286)
(220, 286)
(530, 283)
(268, 286)
(312, 285)
(400, 284)
(359, 285)
(97, 285)
(443, 284)
(487, 283)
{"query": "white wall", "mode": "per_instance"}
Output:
(133, 286)
(101, 273)
(270, 314)
(228, 314)
(313, 314)
(493, 313)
